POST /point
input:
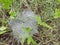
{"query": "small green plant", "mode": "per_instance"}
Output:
(12, 14)
(29, 39)
(39, 21)
(57, 13)
(3, 30)
(6, 4)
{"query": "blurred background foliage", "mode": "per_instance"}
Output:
(48, 10)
